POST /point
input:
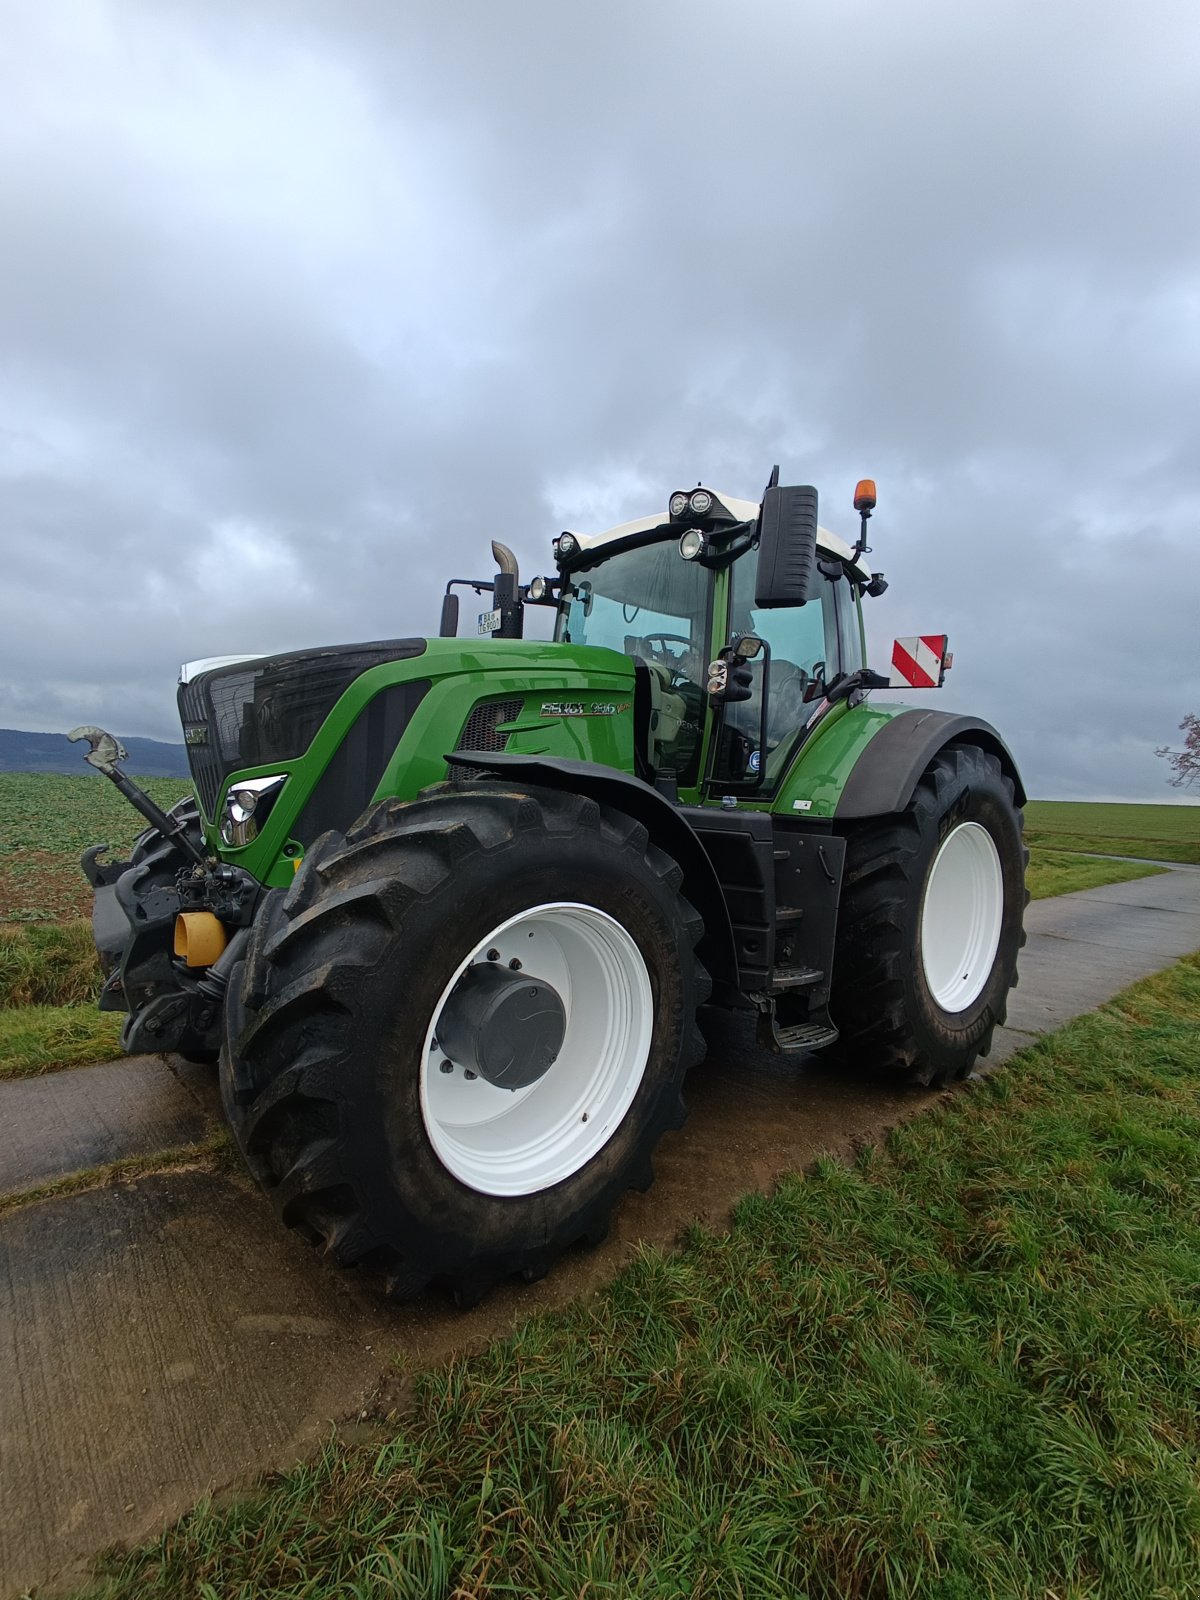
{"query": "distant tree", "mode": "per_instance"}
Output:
(1186, 762)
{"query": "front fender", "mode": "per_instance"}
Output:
(667, 827)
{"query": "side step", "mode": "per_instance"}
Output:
(787, 1039)
(804, 1036)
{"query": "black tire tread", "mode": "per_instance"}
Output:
(316, 943)
(873, 947)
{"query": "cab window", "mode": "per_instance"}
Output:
(810, 645)
(649, 603)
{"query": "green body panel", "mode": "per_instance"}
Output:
(825, 760)
(589, 689)
(576, 703)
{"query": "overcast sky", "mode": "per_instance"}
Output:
(302, 303)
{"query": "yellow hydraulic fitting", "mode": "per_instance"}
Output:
(199, 938)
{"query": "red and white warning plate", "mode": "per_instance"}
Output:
(920, 662)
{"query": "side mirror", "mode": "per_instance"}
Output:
(449, 627)
(787, 547)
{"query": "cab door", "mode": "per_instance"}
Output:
(807, 647)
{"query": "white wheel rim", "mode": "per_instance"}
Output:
(512, 1142)
(961, 916)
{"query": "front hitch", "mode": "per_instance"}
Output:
(104, 754)
(170, 889)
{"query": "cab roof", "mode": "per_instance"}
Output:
(747, 510)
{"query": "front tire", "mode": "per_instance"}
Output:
(338, 1074)
(930, 923)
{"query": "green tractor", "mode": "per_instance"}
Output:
(449, 911)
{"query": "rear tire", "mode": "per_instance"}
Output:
(333, 1086)
(930, 923)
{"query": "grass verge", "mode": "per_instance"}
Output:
(1051, 873)
(964, 1366)
(36, 1039)
(48, 964)
(209, 1152)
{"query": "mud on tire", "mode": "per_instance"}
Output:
(326, 1028)
(882, 996)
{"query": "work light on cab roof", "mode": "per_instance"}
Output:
(699, 507)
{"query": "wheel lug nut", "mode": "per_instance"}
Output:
(515, 964)
(446, 1066)
(470, 1076)
(493, 955)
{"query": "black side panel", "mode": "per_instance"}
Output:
(667, 825)
(641, 718)
(886, 774)
(808, 886)
(741, 847)
(345, 788)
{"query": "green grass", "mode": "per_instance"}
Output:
(46, 821)
(1162, 833)
(1051, 872)
(964, 1366)
(36, 1039)
(48, 964)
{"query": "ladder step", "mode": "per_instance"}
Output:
(796, 978)
(804, 1036)
(788, 916)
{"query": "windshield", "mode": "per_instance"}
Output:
(651, 604)
(646, 602)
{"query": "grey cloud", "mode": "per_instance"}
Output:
(303, 303)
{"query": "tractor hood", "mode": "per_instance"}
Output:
(331, 718)
(252, 711)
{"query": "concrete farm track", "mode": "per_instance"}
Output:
(164, 1338)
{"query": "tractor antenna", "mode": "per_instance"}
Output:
(864, 504)
(773, 480)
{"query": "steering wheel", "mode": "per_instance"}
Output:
(662, 656)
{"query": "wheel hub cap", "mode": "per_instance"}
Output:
(504, 1026)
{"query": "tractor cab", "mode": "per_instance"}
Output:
(674, 593)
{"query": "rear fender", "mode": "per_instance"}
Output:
(883, 779)
(666, 826)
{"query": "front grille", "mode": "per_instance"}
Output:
(260, 712)
(481, 731)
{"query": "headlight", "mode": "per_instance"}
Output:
(247, 807)
(538, 588)
(700, 502)
(691, 544)
(678, 504)
(567, 544)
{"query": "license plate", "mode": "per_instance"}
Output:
(489, 621)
